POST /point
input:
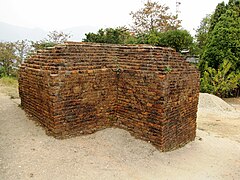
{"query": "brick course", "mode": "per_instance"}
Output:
(79, 88)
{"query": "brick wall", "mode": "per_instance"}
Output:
(79, 88)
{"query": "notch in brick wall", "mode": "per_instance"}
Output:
(143, 89)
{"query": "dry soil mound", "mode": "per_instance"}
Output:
(212, 105)
(211, 102)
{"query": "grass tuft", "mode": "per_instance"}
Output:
(8, 81)
(9, 86)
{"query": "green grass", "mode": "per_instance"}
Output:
(9, 81)
(9, 86)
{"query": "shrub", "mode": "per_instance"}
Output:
(220, 82)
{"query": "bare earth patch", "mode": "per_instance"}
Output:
(217, 116)
(9, 86)
(234, 102)
(26, 152)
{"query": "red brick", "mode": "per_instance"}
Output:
(79, 88)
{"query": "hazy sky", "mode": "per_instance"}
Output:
(60, 14)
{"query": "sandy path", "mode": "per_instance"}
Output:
(220, 125)
(26, 152)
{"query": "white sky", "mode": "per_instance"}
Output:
(60, 14)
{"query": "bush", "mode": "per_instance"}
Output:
(221, 82)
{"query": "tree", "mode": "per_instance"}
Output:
(119, 35)
(202, 33)
(177, 39)
(154, 17)
(57, 37)
(22, 49)
(7, 58)
(220, 9)
(54, 38)
(223, 41)
(148, 38)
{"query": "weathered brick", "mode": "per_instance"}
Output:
(79, 88)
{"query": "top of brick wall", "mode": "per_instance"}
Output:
(72, 43)
(85, 56)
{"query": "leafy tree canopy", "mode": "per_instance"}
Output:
(223, 41)
(119, 35)
(154, 17)
(176, 39)
(202, 33)
(8, 59)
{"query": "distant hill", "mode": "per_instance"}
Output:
(10, 32)
(78, 33)
(13, 33)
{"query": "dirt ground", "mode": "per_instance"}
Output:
(223, 120)
(26, 152)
